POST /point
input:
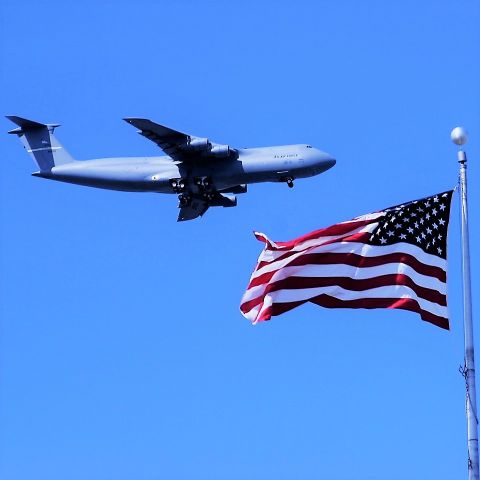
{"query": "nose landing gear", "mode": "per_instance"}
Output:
(288, 181)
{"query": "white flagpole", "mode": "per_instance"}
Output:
(459, 137)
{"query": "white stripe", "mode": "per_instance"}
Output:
(268, 255)
(253, 313)
(31, 150)
(362, 249)
(396, 291)
(342, 270)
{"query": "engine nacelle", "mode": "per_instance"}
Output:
(197, 144)
(220, 151)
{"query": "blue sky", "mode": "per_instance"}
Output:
(122, 350)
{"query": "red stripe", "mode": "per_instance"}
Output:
(333, 230)
(355, 260)
(294, 283)
(368, 303)
(359, 237)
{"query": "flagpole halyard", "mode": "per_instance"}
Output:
(459, 137)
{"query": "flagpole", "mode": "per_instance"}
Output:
(459, 137)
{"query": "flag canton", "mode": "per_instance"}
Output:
(422, 222)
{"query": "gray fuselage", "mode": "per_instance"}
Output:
(154, 174)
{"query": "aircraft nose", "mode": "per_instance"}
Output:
(326, 160)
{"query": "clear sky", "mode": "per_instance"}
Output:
(122, 350)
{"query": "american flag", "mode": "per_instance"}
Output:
(395, 258)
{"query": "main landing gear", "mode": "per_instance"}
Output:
(184, 200)
(204, 188)
(203, 183)
(178, 184)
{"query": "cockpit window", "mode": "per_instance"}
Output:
(309, 146)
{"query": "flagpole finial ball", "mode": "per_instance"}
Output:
(459, 136)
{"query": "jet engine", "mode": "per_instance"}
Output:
(197, 144)
(220, 151)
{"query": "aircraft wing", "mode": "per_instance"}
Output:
(180, 146)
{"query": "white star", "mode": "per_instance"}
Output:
(419, 239)
(427, 203)
(442, 207)
(439, 250)
(427, 216)
(433, 241)
(403, 236)
(435, 226)
(389, 233)
(410, 230)
(422, 221)
(397, 225)
(440, 236)
(400, 212)
(423, 235)
(383, 240)
(415, 224)
(420, 209)
(428, 245)
(406, 219)
(441, 221)
(429, 230)
(435, 198)
(434, 211)
(413, 214)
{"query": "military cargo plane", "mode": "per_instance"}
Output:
(202, 173)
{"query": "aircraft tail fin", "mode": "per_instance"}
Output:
(40, 143)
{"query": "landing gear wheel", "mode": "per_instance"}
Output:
(178, 184)
(290, 182)
(183, 200)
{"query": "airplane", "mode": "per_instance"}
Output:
(202, 173)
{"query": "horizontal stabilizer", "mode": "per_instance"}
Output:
(27, 125)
